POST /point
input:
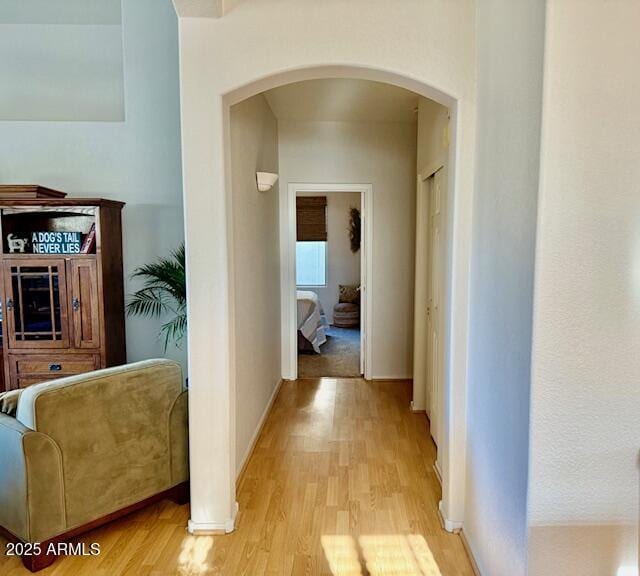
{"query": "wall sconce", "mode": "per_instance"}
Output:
(266, 180)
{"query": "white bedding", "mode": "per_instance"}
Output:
(311, 319)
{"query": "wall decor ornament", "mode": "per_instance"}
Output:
(355, 229)
(16, 244)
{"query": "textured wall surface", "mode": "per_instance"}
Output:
(254, 147)
(510, 51)
(427, 45)
(585, 430)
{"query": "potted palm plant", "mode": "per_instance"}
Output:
(163, 294)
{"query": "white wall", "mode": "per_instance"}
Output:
(585, 403)
(510, 47)
(60, 12)
(65, 60)
(384, 155)
(136, 161)
(433, 134)
(343, 266)
(254, 147)
(426, 46)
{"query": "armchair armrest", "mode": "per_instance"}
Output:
(13, 477)
(30, 481)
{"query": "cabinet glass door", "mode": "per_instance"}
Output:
(36, 305)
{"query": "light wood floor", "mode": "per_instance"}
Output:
(341, 482)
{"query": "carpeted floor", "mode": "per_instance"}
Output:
(340, 356)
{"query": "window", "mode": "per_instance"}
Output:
(311, 263)
(311, 245)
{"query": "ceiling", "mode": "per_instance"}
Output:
(343, 100)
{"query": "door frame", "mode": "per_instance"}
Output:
(422, 269)
(207, 194)
(288, 304)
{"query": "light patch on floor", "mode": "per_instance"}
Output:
(341, 482)
(382, 554)
(193, 557)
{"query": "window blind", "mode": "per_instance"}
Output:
(311, 218)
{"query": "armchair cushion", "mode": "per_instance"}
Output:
(120, 433)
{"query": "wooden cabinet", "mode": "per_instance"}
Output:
(85, 303)
(27, 369)
(36, 303)
(62, 296)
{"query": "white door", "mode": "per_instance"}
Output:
(435, 289)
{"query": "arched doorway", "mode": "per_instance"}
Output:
(215, 477)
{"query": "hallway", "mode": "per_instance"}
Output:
(341, 478)
(341, 483)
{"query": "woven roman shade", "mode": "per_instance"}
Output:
(311, 218)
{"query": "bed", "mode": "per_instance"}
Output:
(312, 322)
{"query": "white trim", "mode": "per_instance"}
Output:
(436, 469)
(227, 526)
(258, 430)
(435, 408)
(288, 273)
(449, 525)
(420, 338)
(430, 169)
(288, 306)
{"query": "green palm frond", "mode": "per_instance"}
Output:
(147, 302)
(175, 329)
(164, 292)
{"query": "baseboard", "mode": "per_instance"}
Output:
(256, 434)
(228, 526)
(448, 525)
(436, 469)
(469, 551)
(224, 527)
(417, 410)
(391, 378)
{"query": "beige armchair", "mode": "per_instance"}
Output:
(83, 450)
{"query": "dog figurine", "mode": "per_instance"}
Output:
(16, 244)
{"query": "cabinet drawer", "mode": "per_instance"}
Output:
(26, 381)
(53, 366)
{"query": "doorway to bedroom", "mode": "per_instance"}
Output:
(329, 261)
